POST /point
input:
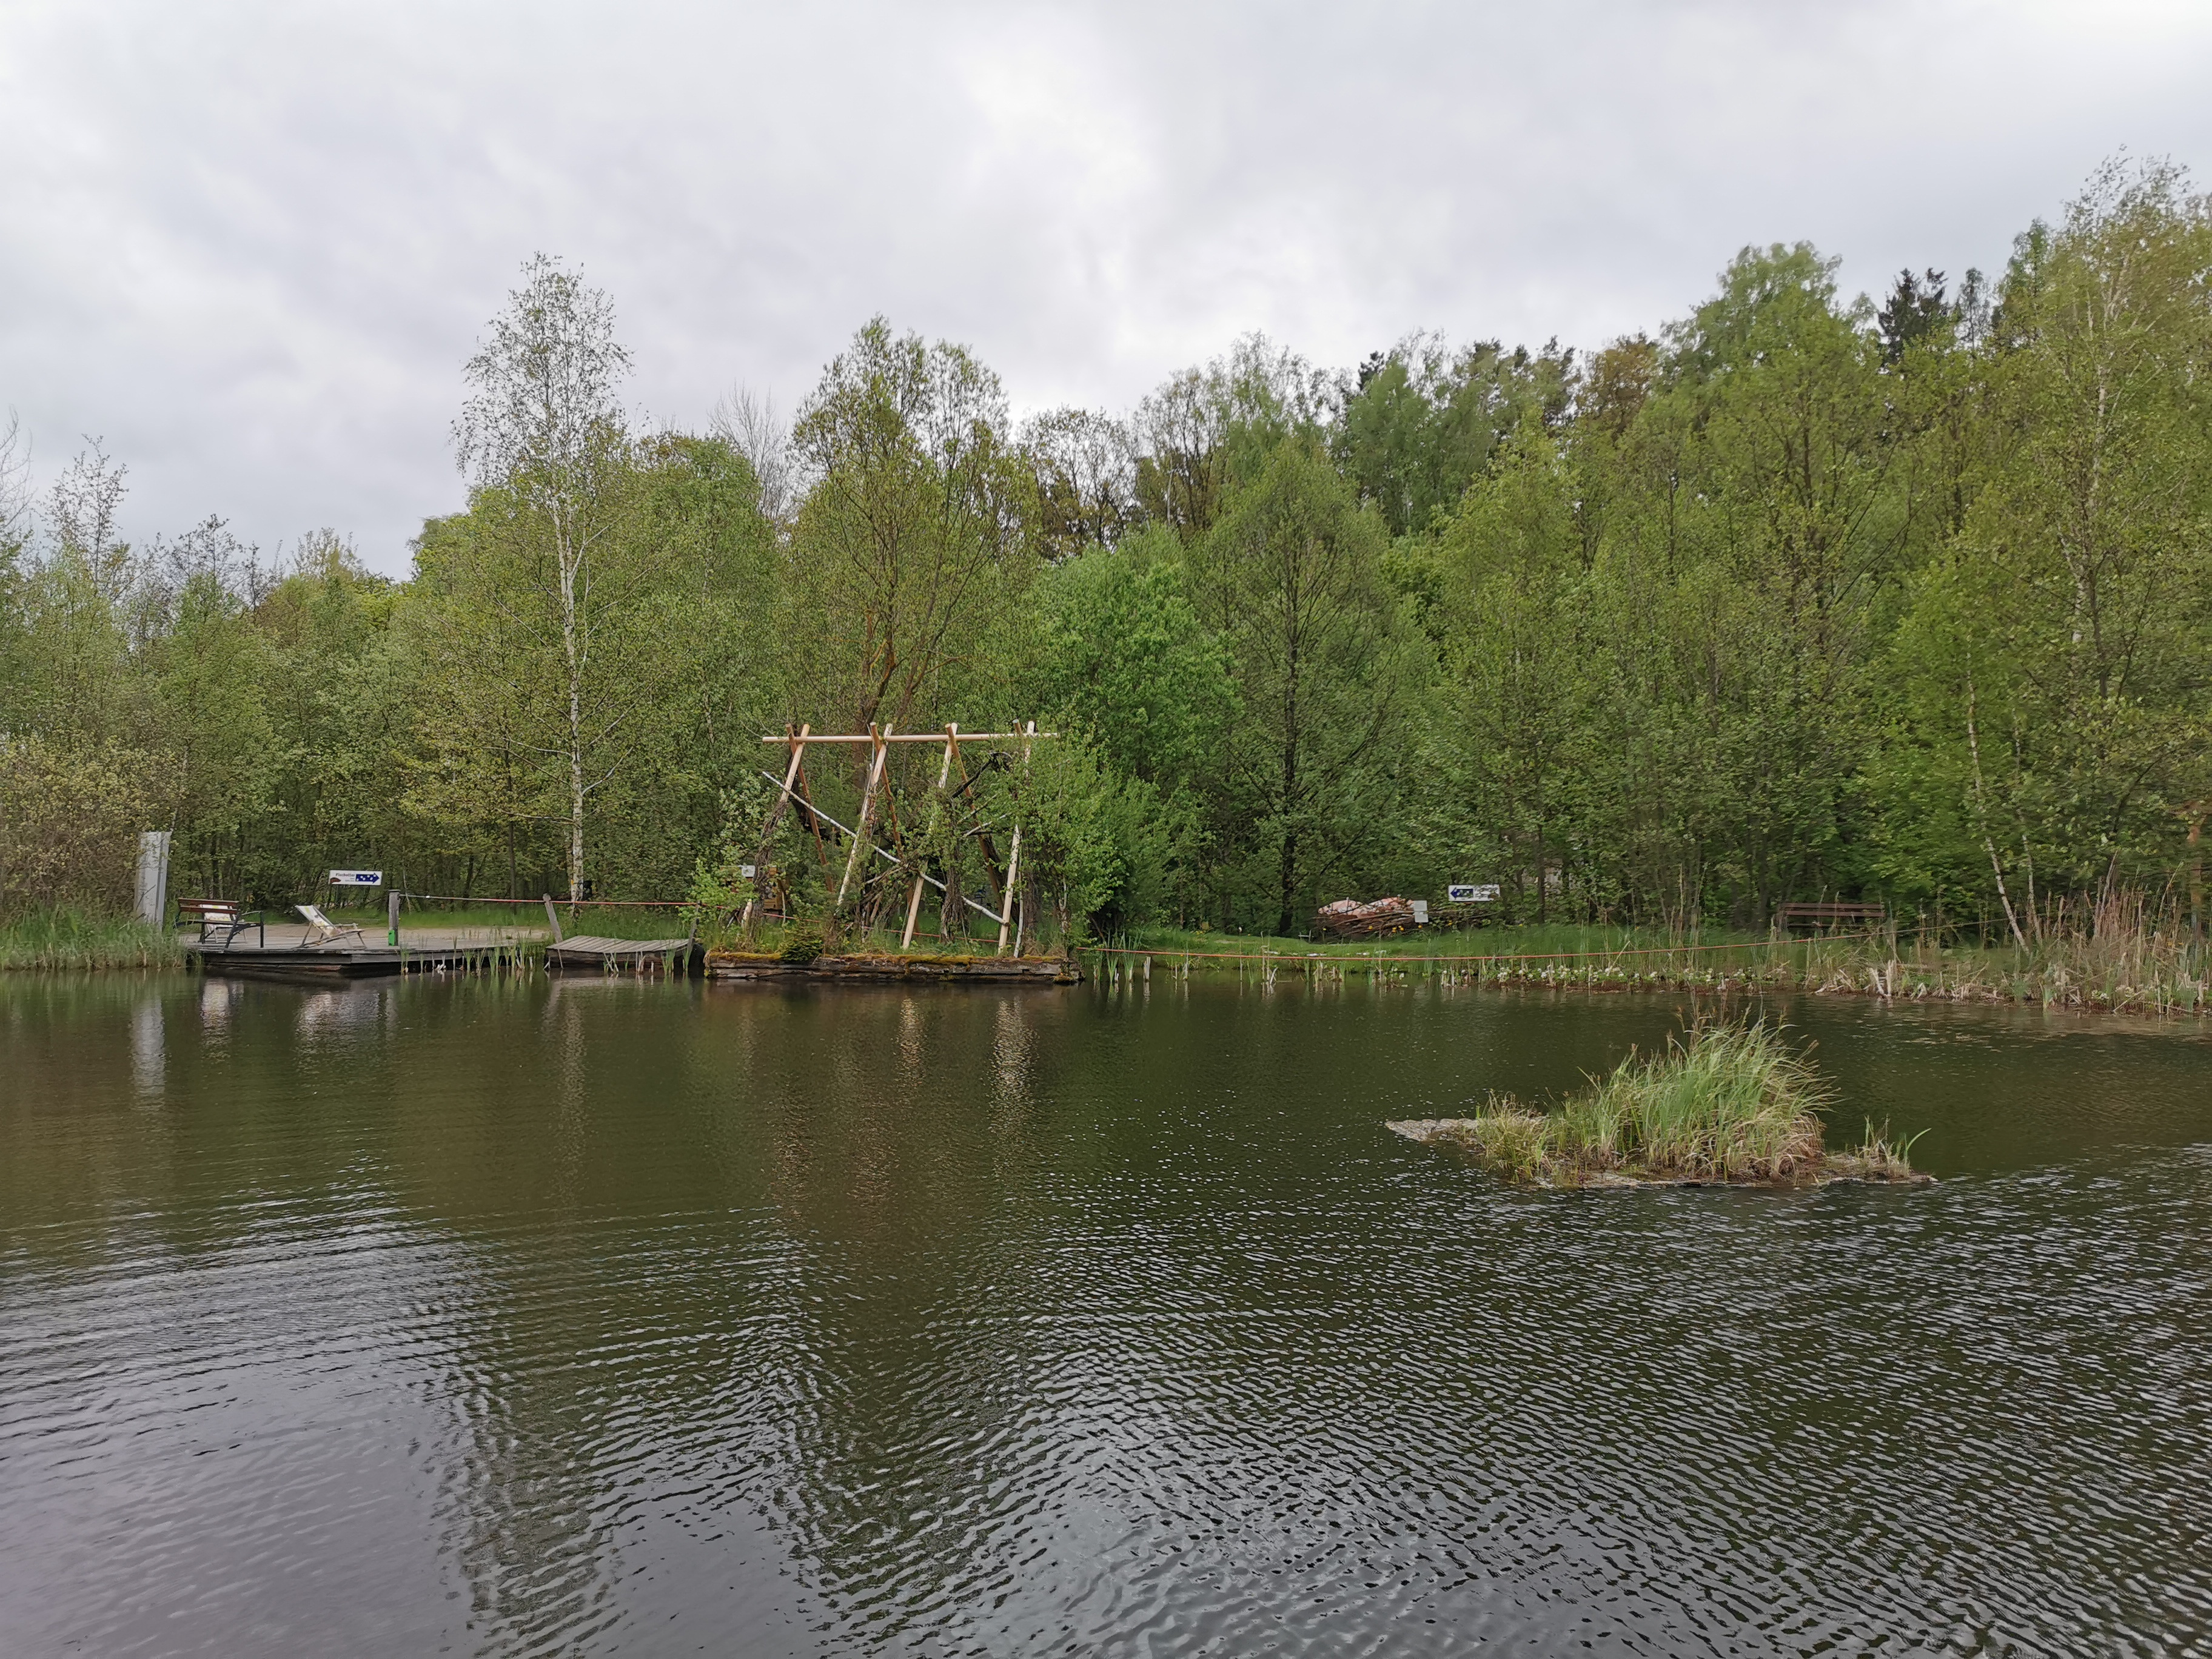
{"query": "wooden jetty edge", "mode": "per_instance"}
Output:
(285, 957)
(884, 965)
(589, 953)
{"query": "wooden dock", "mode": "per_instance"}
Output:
(587, 953)
(288, 951)
(873, 965)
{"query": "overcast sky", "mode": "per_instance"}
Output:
(251, 246)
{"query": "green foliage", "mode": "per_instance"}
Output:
(1098, 846)
(69, 819)
(721, 890)
(1799, 597)
(2052, 664)
(1124, 655)
(1424, 421)
(1290, 578)
(802, 945)
(915, 540)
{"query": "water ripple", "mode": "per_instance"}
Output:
(660, 1320)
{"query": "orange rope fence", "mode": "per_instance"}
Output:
(615, 904)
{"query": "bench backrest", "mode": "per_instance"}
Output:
(209, 910)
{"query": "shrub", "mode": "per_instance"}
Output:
(69, 821)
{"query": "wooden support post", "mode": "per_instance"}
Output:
(876, 758)
(391, 917)
(552, 920)
(936, 812)
(753, 905)
(1011, 896)
(1007, 899)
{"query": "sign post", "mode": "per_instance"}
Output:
(342, 878)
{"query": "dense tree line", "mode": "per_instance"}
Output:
(1801, 597)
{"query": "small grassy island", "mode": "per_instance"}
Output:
(1728, 1105)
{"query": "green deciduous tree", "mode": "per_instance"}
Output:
(1290, 577)
(2055, 667)
(544, 444)
(914, 542)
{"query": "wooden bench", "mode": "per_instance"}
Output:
(1826, 917)
(225, 916)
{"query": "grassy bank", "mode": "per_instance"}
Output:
(2118, 958)
(1727, 1103)
(69, 939)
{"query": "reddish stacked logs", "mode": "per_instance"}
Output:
(1350, 918)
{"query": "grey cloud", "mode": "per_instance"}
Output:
(252, 244)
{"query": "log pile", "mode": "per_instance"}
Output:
(1350, 918)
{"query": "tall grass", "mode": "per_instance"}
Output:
(68, 938)
(2119, 952)
(1727, 1101)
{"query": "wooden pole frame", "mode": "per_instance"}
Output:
(874, 793)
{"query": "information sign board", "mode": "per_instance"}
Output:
(1468, 892)
(356, 878)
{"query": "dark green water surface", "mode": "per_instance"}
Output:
(506, 1318)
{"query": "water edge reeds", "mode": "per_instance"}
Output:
(66, 938)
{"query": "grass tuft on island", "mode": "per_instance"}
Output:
(1727, 1104)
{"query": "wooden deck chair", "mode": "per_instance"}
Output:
(322, 931)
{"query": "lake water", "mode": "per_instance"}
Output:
(498, 1317)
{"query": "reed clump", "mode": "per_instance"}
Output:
(67, 937)
(1726, 1102)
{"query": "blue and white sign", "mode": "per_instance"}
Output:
(356, 878)
(1465, 892)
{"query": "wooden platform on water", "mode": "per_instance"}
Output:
(883, 965)
(288, 950)
(588, 953)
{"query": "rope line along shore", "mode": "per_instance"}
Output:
(613, 904)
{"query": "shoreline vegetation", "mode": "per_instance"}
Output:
(1728, 1105)
(2116, 958)
(2119, 961)
(65, 939)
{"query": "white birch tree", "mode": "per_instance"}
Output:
(541, 429)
